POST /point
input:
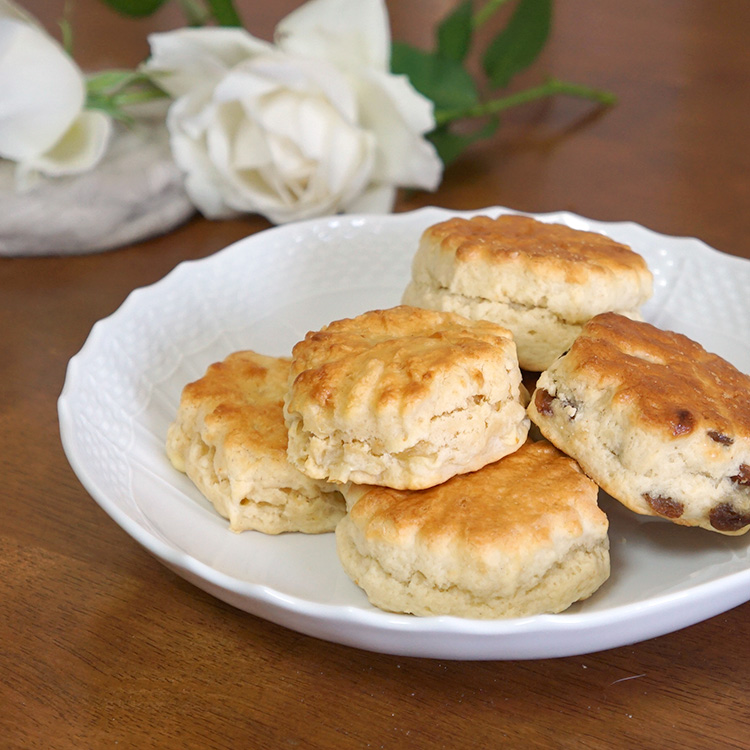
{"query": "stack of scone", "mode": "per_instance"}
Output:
(422, 415)
(405, 429)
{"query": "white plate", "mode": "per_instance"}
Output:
(264, 293)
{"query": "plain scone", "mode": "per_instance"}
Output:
(403, 397)
(229, 437)
(542, 281)
(659, 423)
(522, 536)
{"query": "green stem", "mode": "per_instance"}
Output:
(111, 82)
(486, 12)
(126, 98)
(116, 101)
(196, 14)
(551, 87)
(66, 28)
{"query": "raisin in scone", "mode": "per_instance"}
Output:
(522, 536)
(229, 437)
(659, 423)
(542, 281)
(403, 397)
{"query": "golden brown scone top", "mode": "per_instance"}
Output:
(242, 399)
(530, 496)
(523, 240)
(399, 354)
(671, 382)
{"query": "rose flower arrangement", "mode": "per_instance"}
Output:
(329, 117)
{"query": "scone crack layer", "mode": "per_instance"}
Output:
(504, 307)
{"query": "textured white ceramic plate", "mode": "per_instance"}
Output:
(264, 293)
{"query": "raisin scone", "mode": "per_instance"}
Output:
(522, 536)
(659, 423)
(403, 397)
(542, 281)
(229, 437)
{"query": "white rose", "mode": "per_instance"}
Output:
(314, 124)
(43, 127)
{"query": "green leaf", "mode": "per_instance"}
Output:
(450, 145)
(519, 44)
(454, 33)
(440, 79)
(224, 13)
(135, 8)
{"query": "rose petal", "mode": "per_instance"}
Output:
(309, 156)
(244, 189)
(346, 154)
(41, 91)
(80, 148)
(252, 81)
(377, 199)
(187, 139)
(302, 160)
(187, 60)
(350, 34)
(399, 116)
(250, 148)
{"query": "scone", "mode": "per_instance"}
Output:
(522, 536)
(542, 281)
(229, 437)
(403, 397)
(659, 423)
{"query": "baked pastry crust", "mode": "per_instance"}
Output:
(540, 280)
(658, 422)
(403, 397)
(522, 536)
(230, 438)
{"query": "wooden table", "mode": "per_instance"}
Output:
(104, 647)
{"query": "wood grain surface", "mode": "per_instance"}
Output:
(102, 646)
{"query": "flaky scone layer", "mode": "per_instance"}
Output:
(659, 423)
(522, 536)
(541, 336)
(229, 437)
(403, 397)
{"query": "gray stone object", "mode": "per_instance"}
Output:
(135, 192)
